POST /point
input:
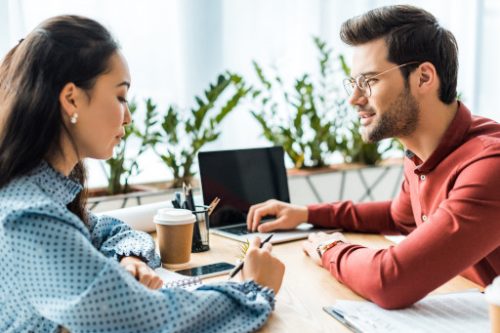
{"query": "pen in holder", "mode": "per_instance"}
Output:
(201, 229)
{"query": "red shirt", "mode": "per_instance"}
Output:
(449, 206)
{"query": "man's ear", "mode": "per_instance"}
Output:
(68, 97)
(424, 77)
(427, 77)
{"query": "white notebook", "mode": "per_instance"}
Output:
(175, 280)
(453, 312)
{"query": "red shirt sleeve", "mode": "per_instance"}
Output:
(461, 231)
(387, 217)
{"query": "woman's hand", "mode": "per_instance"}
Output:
(142, 272)
(262, 267)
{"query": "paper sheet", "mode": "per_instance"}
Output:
(395, 238)
(138, 217)
(455, 312)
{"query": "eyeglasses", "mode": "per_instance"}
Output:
(363, 83)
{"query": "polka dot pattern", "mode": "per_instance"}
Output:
(57, 272)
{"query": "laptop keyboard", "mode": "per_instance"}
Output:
(238, 230)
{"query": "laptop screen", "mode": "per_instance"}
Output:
(241, 178)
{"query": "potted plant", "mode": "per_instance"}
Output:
(314, 119)
(304, 121)
(184, 133)
(356, 151)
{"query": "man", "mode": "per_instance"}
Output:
(404, 86)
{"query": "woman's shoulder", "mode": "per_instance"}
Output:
(24, 195)
(22, 189)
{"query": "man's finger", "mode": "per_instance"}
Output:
(251, 212)
(273, 225)
(268, 209)
(305, 247)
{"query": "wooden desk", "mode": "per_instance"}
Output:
(306, 287)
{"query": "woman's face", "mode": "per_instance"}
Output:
(101, 119)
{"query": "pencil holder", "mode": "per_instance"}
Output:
(200, 231)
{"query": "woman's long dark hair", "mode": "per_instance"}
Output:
(60, 50)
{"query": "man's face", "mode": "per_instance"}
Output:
(390, 110)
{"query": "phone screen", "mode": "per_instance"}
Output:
(208, 270)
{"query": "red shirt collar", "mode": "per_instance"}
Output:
(452, 138)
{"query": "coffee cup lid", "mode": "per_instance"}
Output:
(492, 292)
(174, 216)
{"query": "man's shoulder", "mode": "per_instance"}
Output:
(480, 145)
(485, 133)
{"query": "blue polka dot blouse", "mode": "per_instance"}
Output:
(57, 272)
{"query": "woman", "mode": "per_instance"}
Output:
(63, 97)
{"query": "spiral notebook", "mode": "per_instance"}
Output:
(175, 280)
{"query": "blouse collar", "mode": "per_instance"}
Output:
(55, 184)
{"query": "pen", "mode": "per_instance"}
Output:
(177, 202)
(178, 198)
(240, 266)
(190, 199)
(197, 242)
(345, 320)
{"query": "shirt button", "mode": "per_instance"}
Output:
(422, 177)
(424, 218)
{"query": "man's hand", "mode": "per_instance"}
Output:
(288, 216)
(142, 272)
(310, 245)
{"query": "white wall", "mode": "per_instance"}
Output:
(175, 47)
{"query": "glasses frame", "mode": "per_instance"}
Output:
(363, 83)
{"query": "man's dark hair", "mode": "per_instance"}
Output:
(411, 34)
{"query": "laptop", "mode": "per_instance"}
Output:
(241, 178)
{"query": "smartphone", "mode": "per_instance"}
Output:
(219, 268)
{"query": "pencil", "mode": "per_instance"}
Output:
(240, 266)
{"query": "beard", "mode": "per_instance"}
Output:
(400, 119)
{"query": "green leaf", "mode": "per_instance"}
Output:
(260, 74)
(124, 163)
(345, 68)
(318, 121)
(186, 135)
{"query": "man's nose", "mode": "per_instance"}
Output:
(358, 97)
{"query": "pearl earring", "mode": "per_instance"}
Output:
(74, 118)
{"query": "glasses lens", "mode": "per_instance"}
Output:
(364, 85)
(349, 86)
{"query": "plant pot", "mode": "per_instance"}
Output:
(100, 200)
(103, 191)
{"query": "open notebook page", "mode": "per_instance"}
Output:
(454, 312)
